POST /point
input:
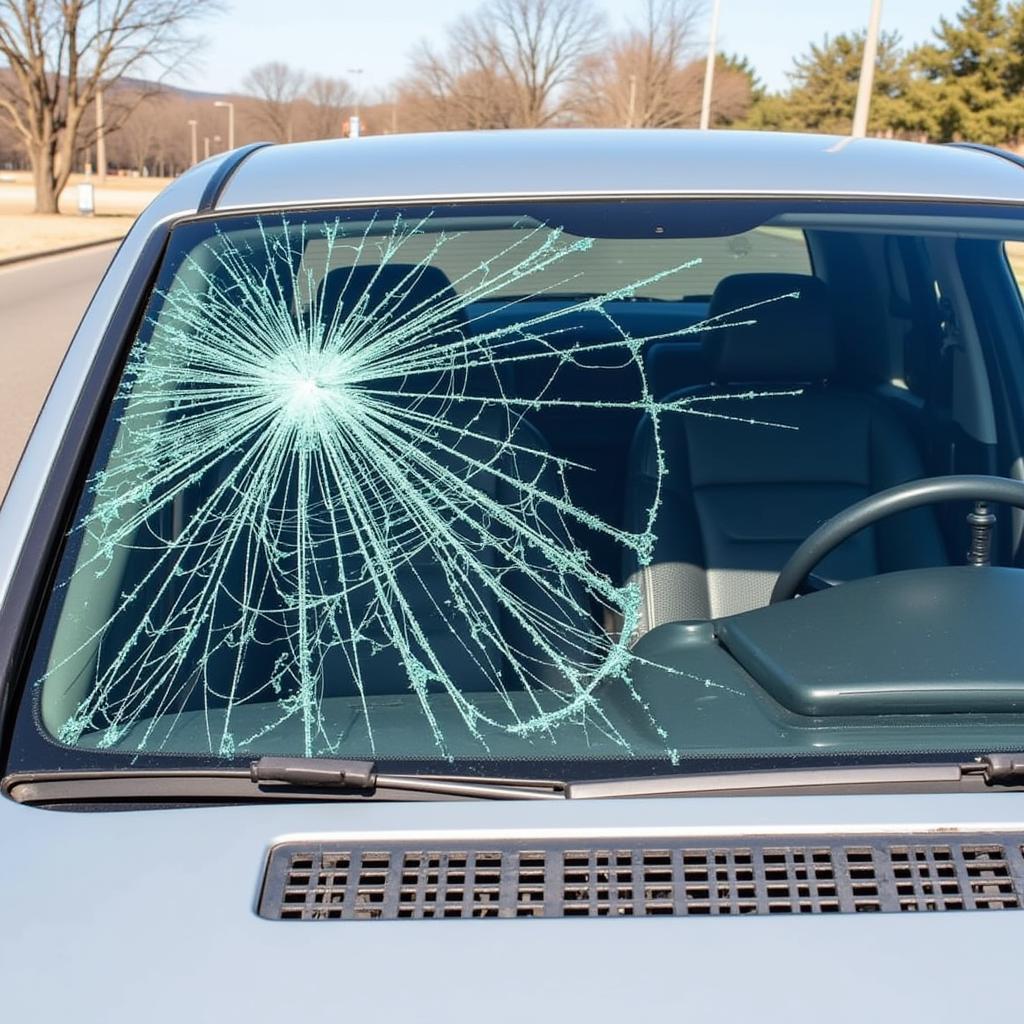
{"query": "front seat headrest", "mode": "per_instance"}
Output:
(396, 295)
(400, 290)
(792, 336)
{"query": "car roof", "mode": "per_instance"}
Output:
(581, 162)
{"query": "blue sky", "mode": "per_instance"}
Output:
(331, 36)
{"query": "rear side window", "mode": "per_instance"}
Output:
(1015, 257)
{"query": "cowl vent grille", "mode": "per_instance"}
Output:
(644, 878)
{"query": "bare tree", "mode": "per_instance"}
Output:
(328, 100)
(275, 88)
(140, 121)
(731, 98)
(61, 52)
(507, 65)
(174, 136)
(12, 152)
(448, 93)
(651, 76)
(637, 82)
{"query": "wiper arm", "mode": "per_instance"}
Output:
(363, 776)
(994, 769)
(287, 777)
(282, 778)
(997, 768)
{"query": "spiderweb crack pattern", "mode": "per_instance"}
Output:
(311, 486)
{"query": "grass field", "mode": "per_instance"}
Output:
(118, 202)
(22, 234)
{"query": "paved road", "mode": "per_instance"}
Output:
(41, 303)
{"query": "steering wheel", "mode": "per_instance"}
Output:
(834, 531)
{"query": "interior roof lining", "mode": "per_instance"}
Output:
(944, 226)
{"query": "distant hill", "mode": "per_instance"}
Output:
(148, 85)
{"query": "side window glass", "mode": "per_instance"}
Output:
(1015, 257)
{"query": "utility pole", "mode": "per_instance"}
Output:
(231, 120)
(101, 141)
(631, 115)
(354, 130)
(709, 70)
(195, 154)
(206, 147)
(867, 73)
(358, 72)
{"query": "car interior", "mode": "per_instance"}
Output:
(871, 375)
(880, 372)
(783, 390)
(880, 369)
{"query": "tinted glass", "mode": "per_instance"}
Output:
(441, 483)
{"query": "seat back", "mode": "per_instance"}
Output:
(742, 492)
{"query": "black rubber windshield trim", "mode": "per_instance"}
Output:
(21, 609)
(222, 175)
(1003, 154)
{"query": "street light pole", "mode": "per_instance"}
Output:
(195, 153)
(709, 71)
(867, 73)
(631, 115)
(358, 73)
(101, 126)
(231, 120)
(354, 129)
(101, 140)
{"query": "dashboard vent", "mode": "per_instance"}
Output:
(643, 878)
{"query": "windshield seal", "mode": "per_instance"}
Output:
(32, 749)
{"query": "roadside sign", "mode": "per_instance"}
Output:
(86, 198)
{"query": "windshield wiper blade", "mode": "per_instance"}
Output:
(342, 775)
(282, 778)
(320, 778)
(994, 769)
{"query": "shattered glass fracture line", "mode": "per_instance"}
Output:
(308, 490)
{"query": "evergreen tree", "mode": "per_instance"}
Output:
(740, 63)
(823, 93)
(971, 77)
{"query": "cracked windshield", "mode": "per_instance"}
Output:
(420, 484)
(361, 491)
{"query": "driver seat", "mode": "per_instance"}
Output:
(739, 494)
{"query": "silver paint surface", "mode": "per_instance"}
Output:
(149, 915)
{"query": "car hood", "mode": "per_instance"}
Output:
(150, 915)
